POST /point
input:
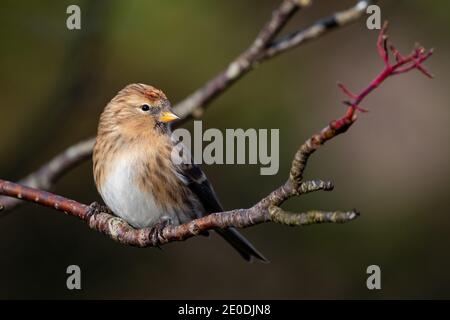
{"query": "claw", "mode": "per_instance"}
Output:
(96, 208)
(156, 232)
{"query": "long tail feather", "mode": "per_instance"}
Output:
(241, 244)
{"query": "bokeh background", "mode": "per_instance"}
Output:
(393, 165)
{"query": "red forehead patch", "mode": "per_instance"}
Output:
(154, 94)
(149, 92)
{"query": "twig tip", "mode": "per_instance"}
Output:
(304, 3)
(354, 214)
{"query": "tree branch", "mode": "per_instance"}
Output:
(119, 230)
(338, 19)
(263, 48)
(50, 172)
(267, 209)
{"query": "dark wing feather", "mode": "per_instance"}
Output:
(197, 182)
(200, 186)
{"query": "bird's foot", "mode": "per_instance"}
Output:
(95, 208)
(156, 232)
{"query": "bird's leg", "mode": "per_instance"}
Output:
(95, 208)
(156, 233)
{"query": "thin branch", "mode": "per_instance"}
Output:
(49, 173)
(263, 48)
(339, 19)
(311, 217)
(266, 210)
(119, 230)
(314, 185)
(76, 82)
(402, 64)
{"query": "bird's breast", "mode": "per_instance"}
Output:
(141, 188)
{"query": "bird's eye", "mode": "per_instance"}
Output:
(145, 107)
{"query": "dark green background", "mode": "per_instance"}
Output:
(393, 165)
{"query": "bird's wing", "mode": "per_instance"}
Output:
(195, 179)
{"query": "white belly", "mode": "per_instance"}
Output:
(123, 196)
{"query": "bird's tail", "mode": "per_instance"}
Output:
(241, 244)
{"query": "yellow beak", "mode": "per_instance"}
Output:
(168, 116)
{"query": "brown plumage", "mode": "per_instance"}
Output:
(134, 172)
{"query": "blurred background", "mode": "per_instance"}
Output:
(393, 165)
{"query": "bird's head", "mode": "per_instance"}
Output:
(137, 108)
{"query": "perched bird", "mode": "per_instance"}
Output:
(135, 173)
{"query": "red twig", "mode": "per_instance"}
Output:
(402, 64)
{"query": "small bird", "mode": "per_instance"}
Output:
(136, 176)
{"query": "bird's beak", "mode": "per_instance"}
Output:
(168, 116)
